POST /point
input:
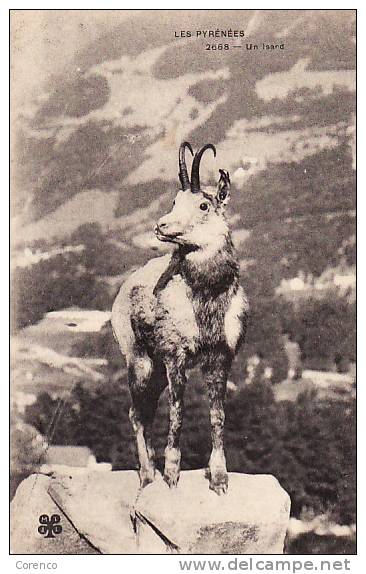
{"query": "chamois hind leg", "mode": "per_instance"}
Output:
(147, 382)
(216, 371)
(158, 382)
(177, 381)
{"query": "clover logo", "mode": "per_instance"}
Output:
(50, 526)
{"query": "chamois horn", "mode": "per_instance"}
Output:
(195, 174)
(183, 172)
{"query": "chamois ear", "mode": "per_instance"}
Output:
(223, 188)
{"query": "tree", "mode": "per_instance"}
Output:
(27, 451)
(323, 328)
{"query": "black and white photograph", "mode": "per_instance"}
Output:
(183, 282)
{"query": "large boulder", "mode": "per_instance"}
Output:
(252, 518)
(101, 508)
(108, 513)
(30, 502)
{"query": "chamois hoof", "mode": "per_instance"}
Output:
(219, 483)
(171, 477)
(145, 482)
(219, 488)
(146, 478)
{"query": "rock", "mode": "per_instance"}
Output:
(252, 518)
(100, 506)
(108, 513)
(29, 503)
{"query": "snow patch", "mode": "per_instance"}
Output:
(281, 84)
(80, 320)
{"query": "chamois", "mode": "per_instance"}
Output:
(182, 310)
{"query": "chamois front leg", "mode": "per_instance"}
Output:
(216, 373)
(177, 381)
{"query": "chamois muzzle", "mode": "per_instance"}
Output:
(195, 174)
(183, 172)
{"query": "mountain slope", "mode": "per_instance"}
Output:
(96, 151)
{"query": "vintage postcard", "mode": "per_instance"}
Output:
(183, 195)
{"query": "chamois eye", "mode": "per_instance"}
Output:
(204, 206)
